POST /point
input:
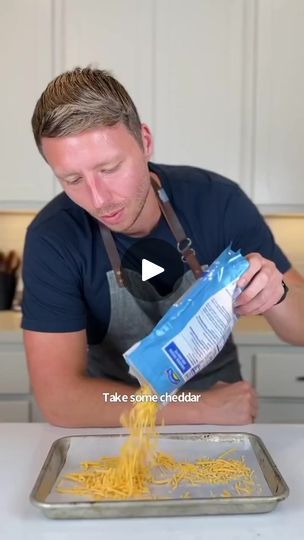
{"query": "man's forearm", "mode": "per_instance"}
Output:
(287, 318)
(85, 403)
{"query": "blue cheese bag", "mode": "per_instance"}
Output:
(193, 331)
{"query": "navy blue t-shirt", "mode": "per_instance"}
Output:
(65, 262)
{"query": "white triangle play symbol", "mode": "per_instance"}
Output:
(149, 269)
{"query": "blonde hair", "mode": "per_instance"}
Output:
(81, 99)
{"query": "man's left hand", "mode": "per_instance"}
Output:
(263, 286)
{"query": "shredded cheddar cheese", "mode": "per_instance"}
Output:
(129, 474)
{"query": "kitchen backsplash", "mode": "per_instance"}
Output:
(13, 227)
(288, 231)
(289, 234)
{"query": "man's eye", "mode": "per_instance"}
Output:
(109, 171)
(74, 182)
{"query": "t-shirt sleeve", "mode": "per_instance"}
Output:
(52, 300)
(247, 230)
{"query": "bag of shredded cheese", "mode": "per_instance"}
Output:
(193, 331)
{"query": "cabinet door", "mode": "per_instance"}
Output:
(116, 36)
(198, 83)
(280, 373)
(280, 411)
(246, 362)
(279, 156)
(14, 378)
(26, 63)
(14, 411)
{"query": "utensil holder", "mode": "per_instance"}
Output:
(7, 289)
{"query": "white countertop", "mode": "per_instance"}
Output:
(24, 448)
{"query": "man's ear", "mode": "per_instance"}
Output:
(147, 139)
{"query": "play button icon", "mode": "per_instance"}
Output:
(150, 270)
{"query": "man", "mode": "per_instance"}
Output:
(78, 315)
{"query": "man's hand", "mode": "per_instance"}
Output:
(234, 403)
(263, 286)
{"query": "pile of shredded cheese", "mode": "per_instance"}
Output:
(129, 474)
(139, 465)
(205, 471)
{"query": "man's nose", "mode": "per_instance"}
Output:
(98, 190)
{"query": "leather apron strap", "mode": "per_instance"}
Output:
(183, 242)
(112, 252)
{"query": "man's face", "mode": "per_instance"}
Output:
(103, 170)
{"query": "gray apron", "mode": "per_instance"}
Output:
(133, 318)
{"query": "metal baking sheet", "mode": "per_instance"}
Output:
(66, 454)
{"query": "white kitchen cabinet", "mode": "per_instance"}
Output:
(182, 63)
(277, 373)
(278, 161)
(116, 36)
(14, 410)
(284, 365)
(15, 397)
(228, 93)
(199, 56)
(214, 79)
(26, 64)
(17, 403)
(246, 363)
(272, 410)
(14, 376)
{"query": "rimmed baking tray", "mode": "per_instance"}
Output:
(66, 454)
